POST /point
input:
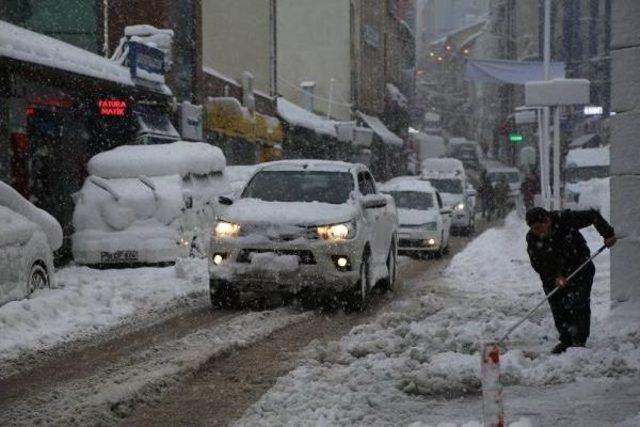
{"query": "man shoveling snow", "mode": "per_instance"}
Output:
(556, 248)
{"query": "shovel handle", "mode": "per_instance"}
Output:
(552, 293)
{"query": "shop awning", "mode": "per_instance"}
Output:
(28, 46)
(513, 72)
(298, 116)
(381, 130)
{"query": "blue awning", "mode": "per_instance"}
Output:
(513, 72)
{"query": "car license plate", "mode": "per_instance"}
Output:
(119, 256)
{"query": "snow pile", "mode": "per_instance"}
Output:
(389, 371)
(178, 158)
(594, 194)
(87, 301)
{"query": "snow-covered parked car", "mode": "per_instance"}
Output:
(587, 179)
(424, 222)
(28, 237)
(447, 176)
(307, 227)
(148, 204)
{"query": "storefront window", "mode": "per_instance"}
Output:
(72, 21)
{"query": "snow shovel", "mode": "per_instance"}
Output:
(492, 409)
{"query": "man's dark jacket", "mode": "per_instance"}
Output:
(564, 249)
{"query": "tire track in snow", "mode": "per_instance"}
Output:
(113, 391)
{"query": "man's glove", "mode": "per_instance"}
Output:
(561, 282)
(610, 241)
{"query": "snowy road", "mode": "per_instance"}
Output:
(411, 358)
(101, 374)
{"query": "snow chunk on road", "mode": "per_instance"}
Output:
(87, 302)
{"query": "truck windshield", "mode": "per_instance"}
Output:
(300, 186)
(447, 185)
(412, 200)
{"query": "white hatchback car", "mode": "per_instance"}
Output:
(306, 227)
(28, 237)
(424, 221)
(449, 178)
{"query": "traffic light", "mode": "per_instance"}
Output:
(516, 138)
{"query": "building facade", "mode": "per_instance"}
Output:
(625, 150)
(314, 55)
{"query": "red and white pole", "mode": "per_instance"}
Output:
(492, 409)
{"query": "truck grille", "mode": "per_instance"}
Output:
(306, 257)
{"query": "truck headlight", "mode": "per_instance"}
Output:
(460, 207)
(226, 229)
(346, 230)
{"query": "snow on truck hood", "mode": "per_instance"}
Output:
(178, 158)
(253, 211)
(416, 217)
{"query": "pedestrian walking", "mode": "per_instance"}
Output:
(502, 196)
(487, 196)
(529, 188)
(556, 248)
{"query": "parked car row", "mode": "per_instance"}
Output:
(311, 228)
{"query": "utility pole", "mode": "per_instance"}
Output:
(546, 113)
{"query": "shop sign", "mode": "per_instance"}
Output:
(112, 107)
(146, 62)
(227, 116)
(191, 121)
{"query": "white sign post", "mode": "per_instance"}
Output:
(554, 94)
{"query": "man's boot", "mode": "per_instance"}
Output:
(560, 348)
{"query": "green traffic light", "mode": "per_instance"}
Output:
(516, 137)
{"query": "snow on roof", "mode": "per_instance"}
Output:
(178, 158)
(310, 165)
(585, 157)
(381, 130)
(11, 199)
(298, 116)
(215, 73)
(28, 46)
(415, 184)
(447, 165)
(427, 138)
(582, 140)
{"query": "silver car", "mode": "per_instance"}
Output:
(305, 227)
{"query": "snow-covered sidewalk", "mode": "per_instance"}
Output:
(418, 362)
(86, 302)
